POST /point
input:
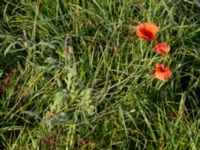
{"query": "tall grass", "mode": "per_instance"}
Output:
(71, 78)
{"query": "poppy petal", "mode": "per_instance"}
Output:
(162, 72)
(162, 48)
(147, 31)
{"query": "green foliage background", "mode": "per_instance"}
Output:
(71, 78)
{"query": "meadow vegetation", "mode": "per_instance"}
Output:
(74, 75)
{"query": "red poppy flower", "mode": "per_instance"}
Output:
(147, 31)
(162, 72)
(162, 48)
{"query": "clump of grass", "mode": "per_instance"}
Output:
(74, 75)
